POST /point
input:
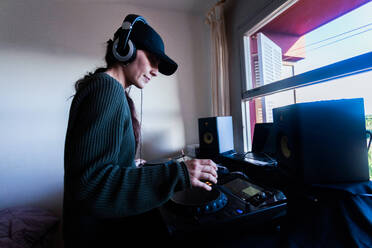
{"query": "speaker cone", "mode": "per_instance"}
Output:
(284, 147)
(208, 138)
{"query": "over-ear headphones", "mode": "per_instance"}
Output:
(123, 49)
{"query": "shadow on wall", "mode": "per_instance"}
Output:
(163, 141)
(49, 200)
(37, 27)
(194, 91)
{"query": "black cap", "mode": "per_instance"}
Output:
(145, 37)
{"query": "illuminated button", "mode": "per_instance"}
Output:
(263, 195)
(239, 211)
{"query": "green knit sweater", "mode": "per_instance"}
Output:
(101, 179)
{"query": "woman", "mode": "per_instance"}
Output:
(107, 198)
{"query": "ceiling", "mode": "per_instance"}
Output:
(190, 6)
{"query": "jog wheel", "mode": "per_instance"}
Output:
(200, 201)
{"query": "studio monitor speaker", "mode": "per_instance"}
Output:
(215, 135)
(324, 141)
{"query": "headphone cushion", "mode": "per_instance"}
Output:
(130, 52)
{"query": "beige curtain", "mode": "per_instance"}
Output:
(219, 70)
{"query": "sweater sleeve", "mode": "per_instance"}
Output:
(98, 136)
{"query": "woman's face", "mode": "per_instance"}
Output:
(141, 70)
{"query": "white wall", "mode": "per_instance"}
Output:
(45, 46)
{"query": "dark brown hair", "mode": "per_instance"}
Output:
(111, 62)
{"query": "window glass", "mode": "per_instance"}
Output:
(274, 55)
(345, 37)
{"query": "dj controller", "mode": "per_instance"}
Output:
(235, 202)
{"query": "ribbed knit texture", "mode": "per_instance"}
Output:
(101, 179)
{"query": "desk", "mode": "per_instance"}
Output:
(259, 230)
(238, 224)
(337, 215)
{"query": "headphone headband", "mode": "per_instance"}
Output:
(123, 43)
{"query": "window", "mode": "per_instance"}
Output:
(292, 58)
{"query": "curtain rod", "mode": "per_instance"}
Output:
(215, 5)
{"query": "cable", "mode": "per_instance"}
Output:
(140, 141)
(337, 35)
(330, 43)
(311, 50)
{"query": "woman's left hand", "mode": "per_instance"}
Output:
(139, 162)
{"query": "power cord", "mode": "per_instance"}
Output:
(140, 141)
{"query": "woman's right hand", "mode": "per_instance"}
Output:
(202, 169)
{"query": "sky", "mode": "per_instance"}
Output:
(345, 37)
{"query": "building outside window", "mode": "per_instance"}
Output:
(308, 52)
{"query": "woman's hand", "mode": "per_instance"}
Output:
(202, 169)
(139, 162)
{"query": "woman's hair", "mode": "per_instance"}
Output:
(111, 62)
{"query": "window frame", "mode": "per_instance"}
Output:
(344, 68)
